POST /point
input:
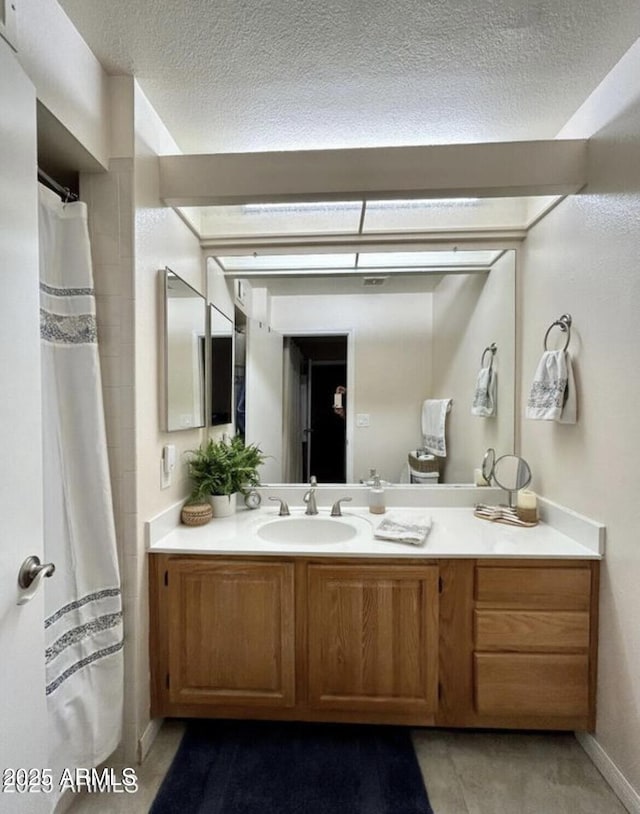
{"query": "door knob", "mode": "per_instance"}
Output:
(31, 574)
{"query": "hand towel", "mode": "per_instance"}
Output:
(484, 399)
(434, 413)
(553, 390)
(401, 528)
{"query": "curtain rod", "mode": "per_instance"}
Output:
(65, 193)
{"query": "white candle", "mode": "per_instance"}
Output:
(527, 499)
(479, 479)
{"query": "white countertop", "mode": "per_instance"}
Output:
(455, 532)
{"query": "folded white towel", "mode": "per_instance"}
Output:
(484, 398)
(399, 528)
(434, 414)
(553, 390)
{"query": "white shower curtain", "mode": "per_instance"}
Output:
(83, 611)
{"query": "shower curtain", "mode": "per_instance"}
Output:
(83, 611)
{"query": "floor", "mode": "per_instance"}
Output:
(464, 772)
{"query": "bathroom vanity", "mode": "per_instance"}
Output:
(483, 626)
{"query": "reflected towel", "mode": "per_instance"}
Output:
(553, 390)
(401, 528)
(434, 414)
(484, 399)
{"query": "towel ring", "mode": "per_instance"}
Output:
(564, 323)
(492, 348)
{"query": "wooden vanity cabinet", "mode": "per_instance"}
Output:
(501, 643)
(294, 639)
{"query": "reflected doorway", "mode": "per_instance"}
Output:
(316, 378)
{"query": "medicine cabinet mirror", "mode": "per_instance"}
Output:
(184, 357)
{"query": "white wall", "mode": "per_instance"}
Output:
(583, 259)
(218, 289)
(69, 80)
(470, 311)
(392, 334)
(161, 239)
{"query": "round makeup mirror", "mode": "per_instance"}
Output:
(511, 473)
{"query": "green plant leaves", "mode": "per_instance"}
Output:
(223, 467)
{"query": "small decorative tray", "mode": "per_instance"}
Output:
(501, 514)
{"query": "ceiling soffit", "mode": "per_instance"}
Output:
(510, 169)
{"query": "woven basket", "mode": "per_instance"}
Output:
(419, 465)
(196, 514)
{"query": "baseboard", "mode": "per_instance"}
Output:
(629, 798)
(148, 736)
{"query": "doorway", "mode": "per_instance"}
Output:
(318, 446)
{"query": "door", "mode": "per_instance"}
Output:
(264, 397)
(22, 696)
(326, 427)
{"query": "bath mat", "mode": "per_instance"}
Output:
(248, 767)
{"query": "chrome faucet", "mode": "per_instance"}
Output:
(335, 509)
(310, 497)
(284, 509)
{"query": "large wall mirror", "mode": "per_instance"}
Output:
(391, 347)
(184, 353)
(418, 276)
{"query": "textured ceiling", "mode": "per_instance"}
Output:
(250, 75)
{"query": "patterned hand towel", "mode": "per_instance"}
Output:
(484, 399)
(553, 390)
(399, 528)
(434, 414)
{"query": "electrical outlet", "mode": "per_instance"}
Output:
(362, 419)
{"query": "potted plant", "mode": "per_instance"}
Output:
(220, 469)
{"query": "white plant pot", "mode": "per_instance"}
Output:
(223, 505)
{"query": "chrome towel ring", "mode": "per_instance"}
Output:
(492, 348)
(564, 323)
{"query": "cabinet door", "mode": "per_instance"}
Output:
(372, 638)
(231, 633)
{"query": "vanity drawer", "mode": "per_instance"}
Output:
(531, 630)
(534, 684)
(539, 588)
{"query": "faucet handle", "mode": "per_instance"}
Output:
(335, 509)
(284, 508)
(313, 481)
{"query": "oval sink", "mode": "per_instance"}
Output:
(307, 530)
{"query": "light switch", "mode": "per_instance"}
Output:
(167, 465)
(362, 419)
